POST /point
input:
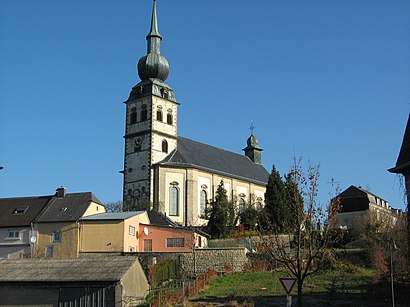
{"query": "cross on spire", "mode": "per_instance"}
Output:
(252, 127)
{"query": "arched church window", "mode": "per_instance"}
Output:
(202, 203)
(173, 200)
(144, 113)
(241, 204)
(133, 116)
(258, 205)
(159, 114)
(164, 146)
(169, 117)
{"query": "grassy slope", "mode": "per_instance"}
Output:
(267, 284)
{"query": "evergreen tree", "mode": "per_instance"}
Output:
(277, 213)
(249, 218)
(221, 214)
(294, 201)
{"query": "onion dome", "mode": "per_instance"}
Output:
(153, 65)
(252, 150)
(252, 141)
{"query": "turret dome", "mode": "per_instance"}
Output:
(153, 65)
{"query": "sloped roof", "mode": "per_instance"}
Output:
(403, 160)
(64, 270)
(69, 208)
(111, 216)
(157, 218)
(190, 153)
(8, 205)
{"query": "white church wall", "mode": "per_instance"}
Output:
(175, 178)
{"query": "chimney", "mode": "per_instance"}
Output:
(61, 192)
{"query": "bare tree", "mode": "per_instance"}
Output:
(112, 207)
(302, 250)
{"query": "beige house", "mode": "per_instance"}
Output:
(58, 224)
(111, 232)
(172, 174)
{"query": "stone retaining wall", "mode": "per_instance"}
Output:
(219, 259)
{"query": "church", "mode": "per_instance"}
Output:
(172, 174)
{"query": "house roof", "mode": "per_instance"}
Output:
(190, 153)
(403, 160)
(69, 208)
(10, 218)
(64, 270)
(157, 218)
(356, 198)
(111, 216)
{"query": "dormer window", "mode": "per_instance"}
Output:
(63, 209)
(20, 210)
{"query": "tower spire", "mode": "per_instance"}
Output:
(153, 37)
(153, 65)
(154, 23)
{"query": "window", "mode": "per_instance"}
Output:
(169, 118)
(13, 234)
(20, 210)
(159, 114)
(258, 205)
(147, 245)
(133, 116)
(49, 250)
(173, 200)
(202, 203)
(132, 230)
(144, 113)
(56, 238)
(241, 204)
(137, 144)
(175, 242)
(164, 146)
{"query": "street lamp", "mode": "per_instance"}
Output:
(393, 248)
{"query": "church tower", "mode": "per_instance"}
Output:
(252, 150)
(151, 123)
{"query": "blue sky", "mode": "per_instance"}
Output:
(328, 80)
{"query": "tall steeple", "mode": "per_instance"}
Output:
(151, 123)
(153, 65)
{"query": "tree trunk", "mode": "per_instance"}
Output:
(300, 284)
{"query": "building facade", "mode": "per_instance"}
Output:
(171, 174)
(356, 203)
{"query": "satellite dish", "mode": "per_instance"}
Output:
(146, 231)
(33, 240)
